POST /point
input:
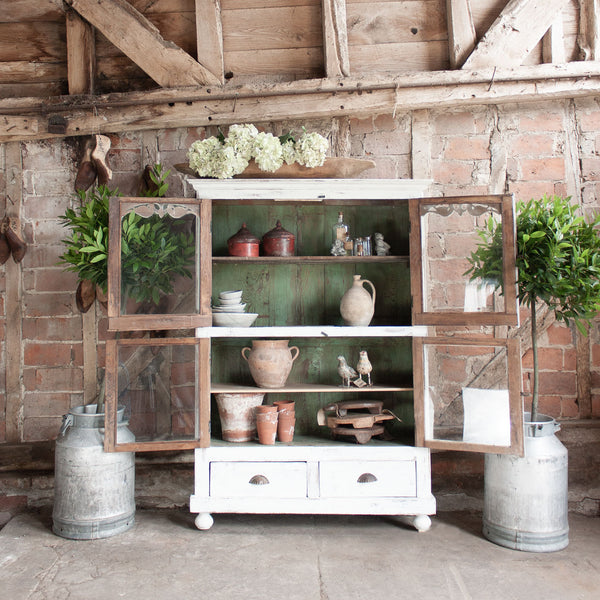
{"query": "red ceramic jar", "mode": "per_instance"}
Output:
(278, 242)
(243, 243)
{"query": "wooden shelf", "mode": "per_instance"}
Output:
(310, 259)
(312, 331)
(305, 388)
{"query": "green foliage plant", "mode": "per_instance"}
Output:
(558, 264)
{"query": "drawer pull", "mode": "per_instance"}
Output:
(258, 480)
(366, 478)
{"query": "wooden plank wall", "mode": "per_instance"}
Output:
(263, 41)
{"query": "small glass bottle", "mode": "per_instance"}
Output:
(340, 229)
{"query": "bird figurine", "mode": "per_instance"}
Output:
(363, 366)
(345, 371)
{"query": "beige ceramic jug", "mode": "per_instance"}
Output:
(270, 362)
(357, 305)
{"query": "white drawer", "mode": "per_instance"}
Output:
(343, 479)
(258, 479)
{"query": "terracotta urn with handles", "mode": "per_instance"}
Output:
(270, 361)
(357, 305)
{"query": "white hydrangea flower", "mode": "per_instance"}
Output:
(288, 152)
(267, 152)
(241, 139)
(202, 154)
(311, 149)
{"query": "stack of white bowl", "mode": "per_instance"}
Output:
(230, 312)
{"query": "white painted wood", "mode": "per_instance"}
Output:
(310, 189)
(461, 31)
(310, 332)
(341, 479)
(234, 479)
(303, 388)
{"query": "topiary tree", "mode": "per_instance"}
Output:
(558, 263)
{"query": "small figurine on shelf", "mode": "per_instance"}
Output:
(364, 366)
(345, 371)
(382, 248)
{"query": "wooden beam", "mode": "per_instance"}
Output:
(335, 38)
(140, 40)
(322, 98)
(518, 29)
(81, 54)
(209, 36)
(588, 38)
(421, 144)
(14, 303)
(553, 43)
(461, 31)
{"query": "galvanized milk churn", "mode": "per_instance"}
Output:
(526, 498)
(93, 489)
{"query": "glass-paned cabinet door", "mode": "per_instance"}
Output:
(159, 387)
(446, 233)
(468, 394)
(159, 264)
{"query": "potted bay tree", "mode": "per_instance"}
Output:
(558, 264)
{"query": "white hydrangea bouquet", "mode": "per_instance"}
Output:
(223, 157)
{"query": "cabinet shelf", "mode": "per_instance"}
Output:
(310, 259)
(312, 332)
(305, 388)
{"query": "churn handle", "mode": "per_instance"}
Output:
(372, 289)
(243, 355)
(295, 356)
(66, 423)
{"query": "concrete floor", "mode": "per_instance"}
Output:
(251, 557)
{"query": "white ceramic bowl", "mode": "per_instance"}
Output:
(230, 295)
(234, 319)
(230, 301)
(234, 308)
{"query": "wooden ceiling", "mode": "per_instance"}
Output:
(111, 65)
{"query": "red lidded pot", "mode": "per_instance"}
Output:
(278, 242)
(243, 243)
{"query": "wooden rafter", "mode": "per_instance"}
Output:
(553, 43)
(81, 54)
(37, 118)
(209, 36)
(518, 29)
(588, 39)
(140, 40)
(335, 38)
(461, 31)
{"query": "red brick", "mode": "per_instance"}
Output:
(467, 148)
(548, 405)
(590, 169)
(452, 172)
(549, 169)
(454, 123)
(58, 328)
(549, 359)
(54, 280)
(37, 404)
(537, 144)
(527, 190)
(559, 335)
(386, 123)
(53, 379)
(11, 503)
(38, 429)
(543, 121)
(569, 408)
(48, 355)
(588, 121)
(50, 304)
(386, 143)
(361, 126)
(596, 405)
(564, 384)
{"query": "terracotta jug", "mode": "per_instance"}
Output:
(357, 305)
(270, 362)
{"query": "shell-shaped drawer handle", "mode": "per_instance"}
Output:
(366, 478)
(258, 480)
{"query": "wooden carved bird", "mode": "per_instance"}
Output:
(363, 366)
(345, 371)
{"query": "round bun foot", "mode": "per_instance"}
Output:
(204, 521)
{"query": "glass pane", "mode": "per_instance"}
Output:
(159, 260)
(449, 235)
(157, 385)
(466, 394)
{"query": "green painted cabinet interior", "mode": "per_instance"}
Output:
(307, 289)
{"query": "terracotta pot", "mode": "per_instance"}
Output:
(266, 426)
(266, 408)
(285, 426)
(284, 406)
(243, 243)
(270, 362)
(236, 412)
(278, 242)
(357, 305)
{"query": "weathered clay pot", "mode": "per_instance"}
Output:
(236, 412)
(357, 305)
(286, 423)
(278, 242)
(243, 243)
(284, 406)
(270, 362)
(266, 426)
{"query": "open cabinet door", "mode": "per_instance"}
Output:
(467, 394)
(443, 234)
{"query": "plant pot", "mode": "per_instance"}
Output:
(526, 498)
(284, 406)
(285, 426)
(237, 414)
(93, 489)
(266, 426)
(270, 362)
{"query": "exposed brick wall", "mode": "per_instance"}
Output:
(525, 149)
